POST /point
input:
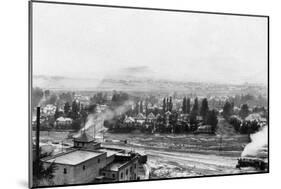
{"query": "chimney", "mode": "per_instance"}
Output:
(37, 139)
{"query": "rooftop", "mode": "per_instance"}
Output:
(73, 157)
(109, 152)
(119, 161)
(84, 137)
(114, 166)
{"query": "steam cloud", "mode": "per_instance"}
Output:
(259, 145)
(94, 122)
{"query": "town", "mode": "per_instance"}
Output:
(132, 94)
(89, 153)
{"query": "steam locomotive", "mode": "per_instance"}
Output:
(258, 163)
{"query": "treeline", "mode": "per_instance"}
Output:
(245, 126)
(168, 120)
(40, 97)
(251, 100)
(237, 118)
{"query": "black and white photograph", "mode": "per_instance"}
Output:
(127, 94)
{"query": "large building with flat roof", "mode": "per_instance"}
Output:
(88, 162)
(76, 166)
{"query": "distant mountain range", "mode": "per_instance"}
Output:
(131, 84)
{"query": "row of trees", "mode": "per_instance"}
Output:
(174, 124)
(249, 99)
(119, 98)
(209, 117)
(186, 105)
(244, 127)
(100, 98)
(161, 124)
(41, 97)
(167, 104)
(77, 112)
(228, 110)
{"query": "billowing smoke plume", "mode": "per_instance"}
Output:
(259, 145)
(94, 121)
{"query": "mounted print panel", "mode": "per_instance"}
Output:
(126, 94)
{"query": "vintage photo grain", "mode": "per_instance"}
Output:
(123, 94)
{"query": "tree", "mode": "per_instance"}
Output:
(204, 109)
(137, 108)
(146, 108)
(164, 104)
(193, 121)
(75, 110)
(141, 107)
(244, 111)
(75, 106)
(184, 105)
(66, 108)
(41, 173)
(188, 105)
(92, 108)
(66, 97)
(36, 96)
(99, 98)
(235, 122)
(249, 127)
(76, 124)
(173, 118)
(195, 107)
(119, 99)
(170, 104)
(47, 93)
(212, 120)
(56, 113)
(52, 100)
(227, 110)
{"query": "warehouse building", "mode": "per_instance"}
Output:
(88, 162)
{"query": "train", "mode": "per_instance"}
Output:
(258, 163)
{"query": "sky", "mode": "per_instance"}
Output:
(98, 42)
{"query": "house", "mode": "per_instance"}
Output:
(62, 122)
(184, 117)
(199, 118)
(168, 113)
(257, 117)
(49, 109)
(151, 117)
(204, 129)
(129, 120)
(140, 118)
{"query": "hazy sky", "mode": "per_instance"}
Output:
(98, 42)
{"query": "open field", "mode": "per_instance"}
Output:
(172, 155)
(186, 155)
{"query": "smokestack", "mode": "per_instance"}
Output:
(37, 139)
